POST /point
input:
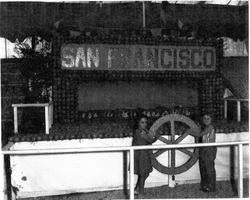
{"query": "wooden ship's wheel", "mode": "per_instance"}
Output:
(192, 130)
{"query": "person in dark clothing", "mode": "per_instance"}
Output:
(207, 156)
(142, 158)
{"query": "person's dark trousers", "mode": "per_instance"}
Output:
(207, 156)
(203, 172)
(141, 182)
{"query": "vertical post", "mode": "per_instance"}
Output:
(50, 118)
(131, 157)
(171, 182)
(47, 119)
(5, 48)
(143, 15)
(232, 169)
(225, 109)
(51, 114)
(125, 172)
(238, 111)
(240, 168)
(15, 120)
(171, 157)
(3, 184)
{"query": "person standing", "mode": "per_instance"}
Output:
(207, 156)
(142, 158)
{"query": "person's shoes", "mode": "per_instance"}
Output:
(212, 190)
(141, 192)
(136, 192)
(204, 189)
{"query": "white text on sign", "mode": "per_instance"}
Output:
(138, 57)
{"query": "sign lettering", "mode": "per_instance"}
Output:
(137, 57)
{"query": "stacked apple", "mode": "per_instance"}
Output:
(114, 129)
(231, 127)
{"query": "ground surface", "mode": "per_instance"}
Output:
(224, 190)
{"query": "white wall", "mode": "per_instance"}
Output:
(39, 175)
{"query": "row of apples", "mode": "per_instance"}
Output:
(112, 129)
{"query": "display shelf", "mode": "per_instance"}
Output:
(108, 129)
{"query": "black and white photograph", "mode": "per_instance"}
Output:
(104, 100)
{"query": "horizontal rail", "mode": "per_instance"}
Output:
(116, 149)
(235, 99)
(31, 105)
(131, 150)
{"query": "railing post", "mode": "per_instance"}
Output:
(238, 111)
(3, 184)
(240, 170)
(47, 119)
(15, 120)
(131, 161)
(171, 182)
(225, 109)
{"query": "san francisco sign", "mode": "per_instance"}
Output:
(137, 57)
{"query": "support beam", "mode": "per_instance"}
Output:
(47, 119)
(225, 109)
(15, 120)
(132, 197)
(144, 15)
(238, 111)
(240, 168)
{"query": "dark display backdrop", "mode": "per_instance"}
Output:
(67, 82)
(135, 94)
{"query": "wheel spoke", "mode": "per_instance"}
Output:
(157, 153)
(164, 140)
(172, 129)
(172, 158)
(179, 139)
(191, 154)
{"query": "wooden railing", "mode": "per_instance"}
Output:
(49, 120)
(131, 149)
(48, 107)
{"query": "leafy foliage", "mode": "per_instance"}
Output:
(36, 69)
